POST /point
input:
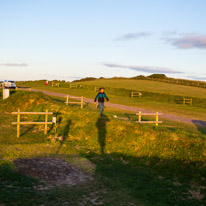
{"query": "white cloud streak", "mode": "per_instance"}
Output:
(147, 69)
(61, 76)
(132, 36)
(14, 65)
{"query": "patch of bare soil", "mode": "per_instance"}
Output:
(53, 171)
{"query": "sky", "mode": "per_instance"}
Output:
(73, 39)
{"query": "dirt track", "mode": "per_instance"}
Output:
(133, 109)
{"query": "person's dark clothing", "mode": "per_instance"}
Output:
(100, 96)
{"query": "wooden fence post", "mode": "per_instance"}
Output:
(157, 119)
(183, 100)
(46, 120)
(132, 94)
(82, 102)
(18, 125)
(140, 117)
(191, 102)
(67, 100)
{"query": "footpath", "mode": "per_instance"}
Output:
(198, 123)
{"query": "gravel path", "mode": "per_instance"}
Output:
(133, 109)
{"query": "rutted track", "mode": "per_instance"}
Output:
(133, 109)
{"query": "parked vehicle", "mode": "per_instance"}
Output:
(8, 84)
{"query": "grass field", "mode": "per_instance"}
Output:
(150, 86)
(131, 164)
(143, 85)
(156, 96)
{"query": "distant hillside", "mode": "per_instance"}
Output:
(155, 77)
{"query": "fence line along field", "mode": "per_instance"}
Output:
(136, 94)
(81, 102)
(187, 101)
(140, 114)
(73, 86)
(54, 84)
(19, 122)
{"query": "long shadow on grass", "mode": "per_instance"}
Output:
(201, 125)
(16, 188)
(65, 134)
(151, 180)
(102, 131)
(30, 128)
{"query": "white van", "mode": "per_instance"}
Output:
(8, 84)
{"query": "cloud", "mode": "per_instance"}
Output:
(62, 76)
(14, 65)
(148, 69)
(132, 36)
(189, 41)
(169, 33)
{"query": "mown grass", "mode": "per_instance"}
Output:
(133, 164)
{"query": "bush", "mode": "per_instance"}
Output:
(158, 76)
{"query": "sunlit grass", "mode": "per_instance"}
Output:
(142, 164)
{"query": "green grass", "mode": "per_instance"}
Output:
(150, 86)
(132, 164)
(139, 85)
(161, 102)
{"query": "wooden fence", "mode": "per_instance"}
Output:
(187, 101)
(140, 114)
(135, 94)
(18, 123)
(180, 82)
(55, 84)
(73, 86)
(81, 102)
(27, 89)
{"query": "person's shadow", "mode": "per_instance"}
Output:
(102, 131)
(65, 134)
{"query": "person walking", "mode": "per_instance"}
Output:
(100, 96)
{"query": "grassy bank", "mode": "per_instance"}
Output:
(132, 164)
(119, 92)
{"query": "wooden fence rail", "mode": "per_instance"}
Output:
(140, 114)
(27, 89)
(18, 123)
(76, 98)
(73, 86)
(55, 84)
(187, 101)
(136, 94)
